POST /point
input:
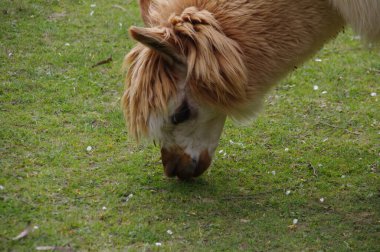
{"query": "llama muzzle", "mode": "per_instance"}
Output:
(178, 163)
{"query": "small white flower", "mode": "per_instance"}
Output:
(373, 94)
(67, 44)
(321, 200)
(286, 149)
(318, 60)
(158, 244)
(315, 87)
(121, 25)
(295, 221)
(36, 227)
(241, 145)
(129, 197)
(89, 148)
(287, 192)
(92, 13)
(169, 232)
(221, 151)
(1, 187)
(104, 208)
(324, 92)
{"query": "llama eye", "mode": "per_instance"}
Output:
(181, 114)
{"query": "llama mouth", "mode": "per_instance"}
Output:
(177, 163)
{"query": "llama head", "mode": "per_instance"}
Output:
(184, 77)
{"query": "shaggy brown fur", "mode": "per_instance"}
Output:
(232, 52)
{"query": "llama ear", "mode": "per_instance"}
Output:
(144, 10)
(154, 38)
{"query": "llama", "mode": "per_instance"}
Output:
(198, 62)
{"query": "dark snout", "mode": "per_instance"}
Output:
(177, 163)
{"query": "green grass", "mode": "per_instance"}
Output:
(53, 105)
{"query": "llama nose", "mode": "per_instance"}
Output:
(177, 163)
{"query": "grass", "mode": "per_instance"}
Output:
(53, 105)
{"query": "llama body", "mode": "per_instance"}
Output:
(201, 61)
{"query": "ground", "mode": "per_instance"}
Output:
(304, 176)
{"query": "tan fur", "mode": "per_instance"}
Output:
(235, 50)
(143, 96)
(362, 15)
(215, 68)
